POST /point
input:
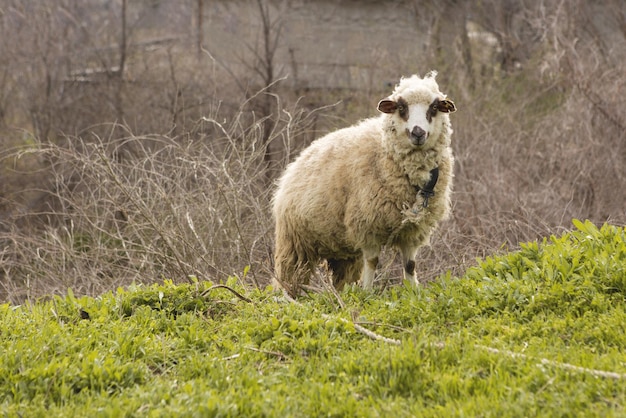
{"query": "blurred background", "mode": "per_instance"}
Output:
(140, 140)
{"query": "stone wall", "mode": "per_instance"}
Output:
(323, 43)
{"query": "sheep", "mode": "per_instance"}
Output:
(385, 181)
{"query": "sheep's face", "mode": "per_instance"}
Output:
(420, 119)
(418, 108)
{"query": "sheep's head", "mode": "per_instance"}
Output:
(420, 108)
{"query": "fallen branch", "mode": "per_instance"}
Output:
(223, 286)
(566, 366)
(372, 334)
(357, 327)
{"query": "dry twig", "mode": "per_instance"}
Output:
(223, 286)
(557, 364)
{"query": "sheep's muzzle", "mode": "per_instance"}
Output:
(417, 136)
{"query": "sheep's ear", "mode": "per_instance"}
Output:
(387, 106)
(446, 106)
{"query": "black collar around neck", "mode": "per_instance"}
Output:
(428, 190)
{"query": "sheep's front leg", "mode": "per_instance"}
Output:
(370, 260)
(408, 264)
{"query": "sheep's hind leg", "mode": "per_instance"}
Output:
(293, 270)
(291, 278)
(408, 264)
(370, 262)
(344, 271)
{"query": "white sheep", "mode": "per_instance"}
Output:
(384, 181)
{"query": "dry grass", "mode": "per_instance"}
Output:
(144, 208)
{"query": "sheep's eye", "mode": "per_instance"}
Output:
(400, 108)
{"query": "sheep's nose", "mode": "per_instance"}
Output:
(418, 136)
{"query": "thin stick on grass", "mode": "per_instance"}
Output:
(360, 329)
(373, 335)
(278, 354)
(557, 364)
(223, 286)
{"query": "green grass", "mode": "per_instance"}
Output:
(537, 332)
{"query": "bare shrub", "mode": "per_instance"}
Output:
(144, 208)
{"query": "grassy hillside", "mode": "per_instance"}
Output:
(541, 331)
